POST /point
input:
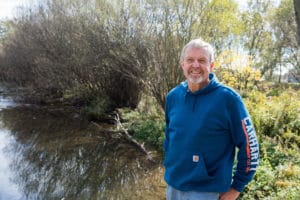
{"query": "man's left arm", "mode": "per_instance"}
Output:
(244, 136)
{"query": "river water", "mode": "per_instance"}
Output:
(51, 154)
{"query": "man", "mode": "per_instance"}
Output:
(205, 123)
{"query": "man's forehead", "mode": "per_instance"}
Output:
(194, 50)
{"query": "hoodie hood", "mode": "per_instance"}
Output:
(213, 84)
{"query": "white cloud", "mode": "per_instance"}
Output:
(8, 7)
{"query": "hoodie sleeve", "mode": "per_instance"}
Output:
(245, 139)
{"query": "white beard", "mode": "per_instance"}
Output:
(195, 80)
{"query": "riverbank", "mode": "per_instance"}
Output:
(143, 125)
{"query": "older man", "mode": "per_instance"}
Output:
(206, 122)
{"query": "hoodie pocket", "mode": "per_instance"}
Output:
(197, 171)
(186, 167)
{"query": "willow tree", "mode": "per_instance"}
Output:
(171, 24)
(68, 49)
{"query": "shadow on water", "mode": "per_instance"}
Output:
(55, 155)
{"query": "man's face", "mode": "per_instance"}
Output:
(196, 65)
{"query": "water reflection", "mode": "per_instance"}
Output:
(8, 190)
(55, 155)
(6, 102)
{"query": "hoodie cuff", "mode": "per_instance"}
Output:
(238, 185)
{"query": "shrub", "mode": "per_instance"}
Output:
(263, 183)
(150, 131)
(277, 176)
(276, 120)
(276, 116)
(145, 126)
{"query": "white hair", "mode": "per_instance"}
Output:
(199, 44)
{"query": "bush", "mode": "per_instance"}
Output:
(150, 131)
(276, 116)
(263, 183)
(146, 125)
(276, 120)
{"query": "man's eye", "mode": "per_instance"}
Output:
(202, 61)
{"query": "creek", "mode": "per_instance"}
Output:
(46, 153)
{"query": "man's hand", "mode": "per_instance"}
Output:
(232, 194)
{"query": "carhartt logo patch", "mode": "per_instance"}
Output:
(195, 158)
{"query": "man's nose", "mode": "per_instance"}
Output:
(196, 63)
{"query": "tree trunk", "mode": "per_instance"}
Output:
(297, 17)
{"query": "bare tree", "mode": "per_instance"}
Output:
(297, 14)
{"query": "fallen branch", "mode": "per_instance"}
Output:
(131, 139)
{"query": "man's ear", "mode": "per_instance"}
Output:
(181, 63)
(211, 66)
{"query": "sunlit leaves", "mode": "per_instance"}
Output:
(236, 70)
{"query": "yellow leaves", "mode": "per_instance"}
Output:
(257, 76)
(236, 71)
(287, 172)
(285, 184)
(292, 170)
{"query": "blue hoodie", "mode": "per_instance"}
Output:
(203, 129)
